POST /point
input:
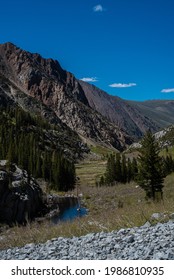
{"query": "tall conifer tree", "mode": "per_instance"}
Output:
(150, 176)
(123, 170)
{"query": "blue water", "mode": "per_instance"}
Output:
(70, 214)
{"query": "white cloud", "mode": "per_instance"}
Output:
(120, 85)
(168, 90)
(98, 8)
(92, 79)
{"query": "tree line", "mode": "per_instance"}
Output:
(119, 170)
(149, 169)
(22, 142)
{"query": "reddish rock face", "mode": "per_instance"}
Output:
(41, 78)
(60, 91)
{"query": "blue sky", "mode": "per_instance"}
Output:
(125, 47)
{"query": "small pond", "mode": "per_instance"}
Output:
(70, 214)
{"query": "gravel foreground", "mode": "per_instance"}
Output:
(145, 243)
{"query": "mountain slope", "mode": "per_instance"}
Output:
(161, 111)
(119, 111)
(65, 140)
(59, 91)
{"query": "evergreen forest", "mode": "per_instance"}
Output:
(148, 169)
(22, 141)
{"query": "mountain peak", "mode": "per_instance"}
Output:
(8, 45)
(45, 81)
(8, 48)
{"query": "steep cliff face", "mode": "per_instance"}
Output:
(41, 78)
(21, 198)
(58, 90)
(58, 135)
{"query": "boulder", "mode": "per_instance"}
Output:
(157, 217)
(21, 198)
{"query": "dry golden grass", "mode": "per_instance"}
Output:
(110, 208)
(90, 171)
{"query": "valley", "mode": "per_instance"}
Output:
(63, 131)
(109, 208)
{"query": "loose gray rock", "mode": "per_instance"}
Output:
(146, 243)
(146, 225)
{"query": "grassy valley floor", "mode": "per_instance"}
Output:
(110, 208)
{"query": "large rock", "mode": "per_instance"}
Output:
(21, 198)
(158, 217)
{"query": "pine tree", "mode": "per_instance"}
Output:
(134, 169)
(118, 170)
(129, 170)
(168, 164)
(110, 174)
(123, 170)
(150, 176)
(101, 182)
(10, 155)
(22, 141)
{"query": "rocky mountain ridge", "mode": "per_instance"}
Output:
(164, 137)
(161, 111)
(43, 87)
(59, 91)
(119, 111)
(57, 134)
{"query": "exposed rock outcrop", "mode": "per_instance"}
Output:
(62, 137)
(21, 198)
(41, 85)
(60, 91)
